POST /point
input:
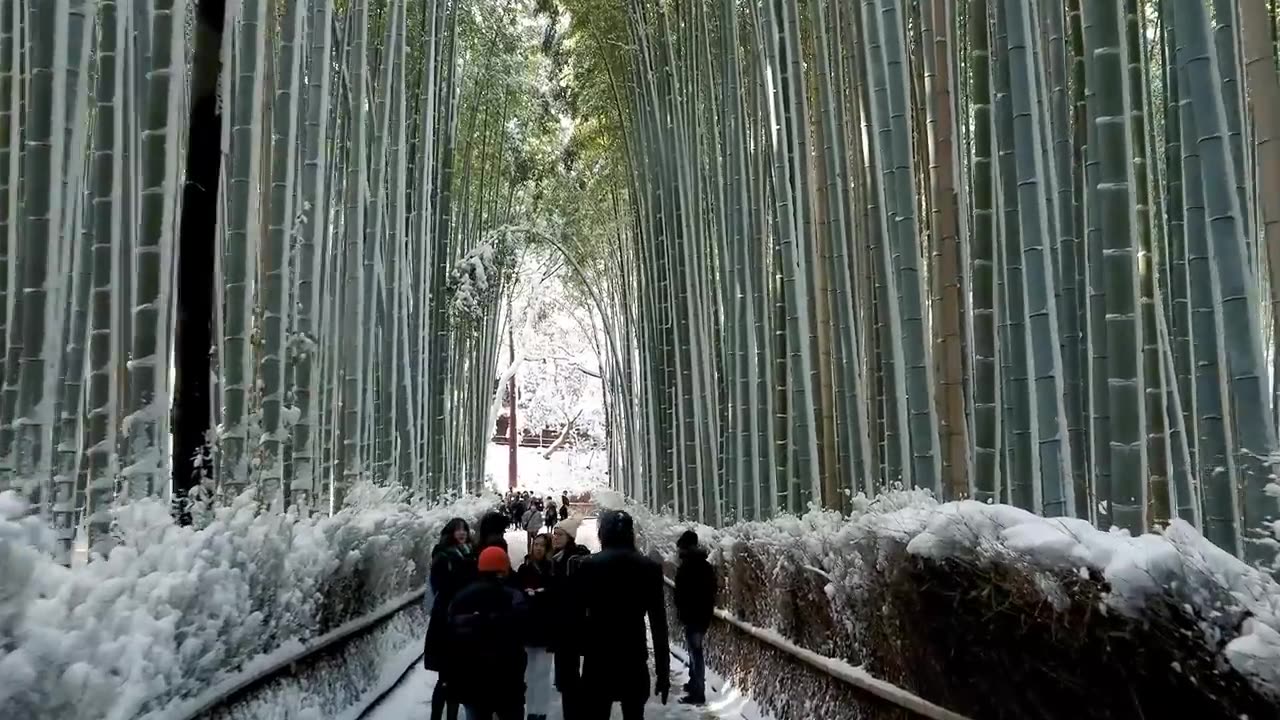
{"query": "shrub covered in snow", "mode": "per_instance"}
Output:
(998, 613)
(174, 609)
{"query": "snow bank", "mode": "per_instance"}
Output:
(888, 585)
(173, 610)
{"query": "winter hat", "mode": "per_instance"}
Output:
(688, 539)
(570, 526)
(493, 560)
(617, 530)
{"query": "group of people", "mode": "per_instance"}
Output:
(532, 514)
(567, 618)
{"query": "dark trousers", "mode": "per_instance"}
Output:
(568, 675)
(442, 708)
(599, 709)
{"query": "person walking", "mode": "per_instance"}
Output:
(486, 642)
(550, 517)
(695, 597)
(517, 511)
(564, 505)
(534, 579)
(532, 523)
(568, 619)
(508, 507)
(619, 588)
(453, 567)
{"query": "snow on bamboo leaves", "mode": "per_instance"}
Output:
(475, 282)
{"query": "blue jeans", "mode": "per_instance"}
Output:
(695, 640)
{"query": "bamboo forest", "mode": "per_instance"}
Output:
(1011, 251)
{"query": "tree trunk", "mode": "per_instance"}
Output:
(197, 238)
(1264, 101)
(513, 436)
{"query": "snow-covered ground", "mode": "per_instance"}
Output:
(572, 471)
(412, 698)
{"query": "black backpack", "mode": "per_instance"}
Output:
(486, 642)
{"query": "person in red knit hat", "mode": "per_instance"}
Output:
(494, 560)
(486, 622)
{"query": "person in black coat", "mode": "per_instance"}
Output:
(618, 588)
(695, 596)
(493, 530)
(518, 506)
(453, 567)
(534, 580)
(486, 643)
(507, 506)
(567, 555)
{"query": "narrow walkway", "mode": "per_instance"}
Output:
(412, 697)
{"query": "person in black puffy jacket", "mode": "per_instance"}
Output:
(486, 643)
(695, 596)
(453, 567)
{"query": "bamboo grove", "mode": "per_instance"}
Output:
(1019, 251)
(282, 197)
(1022, 251)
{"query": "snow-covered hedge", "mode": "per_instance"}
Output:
(173, 610)
(995, 612)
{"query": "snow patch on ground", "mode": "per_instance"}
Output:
(412, 699)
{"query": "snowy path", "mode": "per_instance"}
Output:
(412, 697)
